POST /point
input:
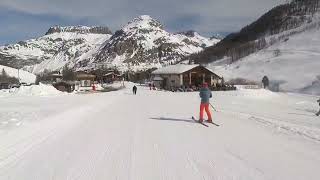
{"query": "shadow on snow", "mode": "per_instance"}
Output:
(173, 119)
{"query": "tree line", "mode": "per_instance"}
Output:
(251, 39)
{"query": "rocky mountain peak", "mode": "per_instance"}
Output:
(143, 22)
(79, 29)
(190, 33)
(217, 36)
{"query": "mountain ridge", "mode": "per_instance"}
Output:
(142, 43)
(79, 29)
(144, 40)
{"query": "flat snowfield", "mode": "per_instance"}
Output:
(150, 136)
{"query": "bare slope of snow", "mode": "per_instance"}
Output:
(120, 136)
(292, 63)
(24, 76)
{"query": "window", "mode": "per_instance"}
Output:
(85, 83)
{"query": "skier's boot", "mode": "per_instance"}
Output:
(209, 120)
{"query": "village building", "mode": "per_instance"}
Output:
(55, 77)
(183, 75)
(84, 80)
(4, 85)
(106, 76)
(65, 86)
(112, 76)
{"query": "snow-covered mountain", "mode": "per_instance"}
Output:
(60, 46)
(143, 42)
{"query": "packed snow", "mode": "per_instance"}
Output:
(24, 76)
(262, 135)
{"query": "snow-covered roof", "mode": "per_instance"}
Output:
(177, 69)
(157, 78)
(108, 74)
(56, 75)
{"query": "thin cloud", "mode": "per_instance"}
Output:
(204, 16)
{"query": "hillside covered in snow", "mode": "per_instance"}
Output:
(292, 64)
(282, 44)
(24, 76)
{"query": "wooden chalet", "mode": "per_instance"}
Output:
(183, 76)
(85, 79)
(55, 77)
(111, 77)
(65, 86)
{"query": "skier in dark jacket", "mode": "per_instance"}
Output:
(205, 95)
(318, 113)
(265, 82)
(134, 89)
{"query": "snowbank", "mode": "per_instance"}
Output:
(116, 85)
(314, 89)
(34, 90)
(252, 93)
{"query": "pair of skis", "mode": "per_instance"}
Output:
(202, 123)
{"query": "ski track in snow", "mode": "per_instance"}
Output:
(151, 136)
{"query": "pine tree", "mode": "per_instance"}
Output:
(3, 76)
(68, 74)
(4, 73)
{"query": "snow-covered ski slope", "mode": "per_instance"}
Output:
(294, 63)
(263, 136)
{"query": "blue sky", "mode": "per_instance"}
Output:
(25, 19)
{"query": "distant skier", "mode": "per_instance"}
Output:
(265, 82)
(150, 86)
(134, 89)
(205, 95)
(318, 113)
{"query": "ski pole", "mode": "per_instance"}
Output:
(213, 107)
